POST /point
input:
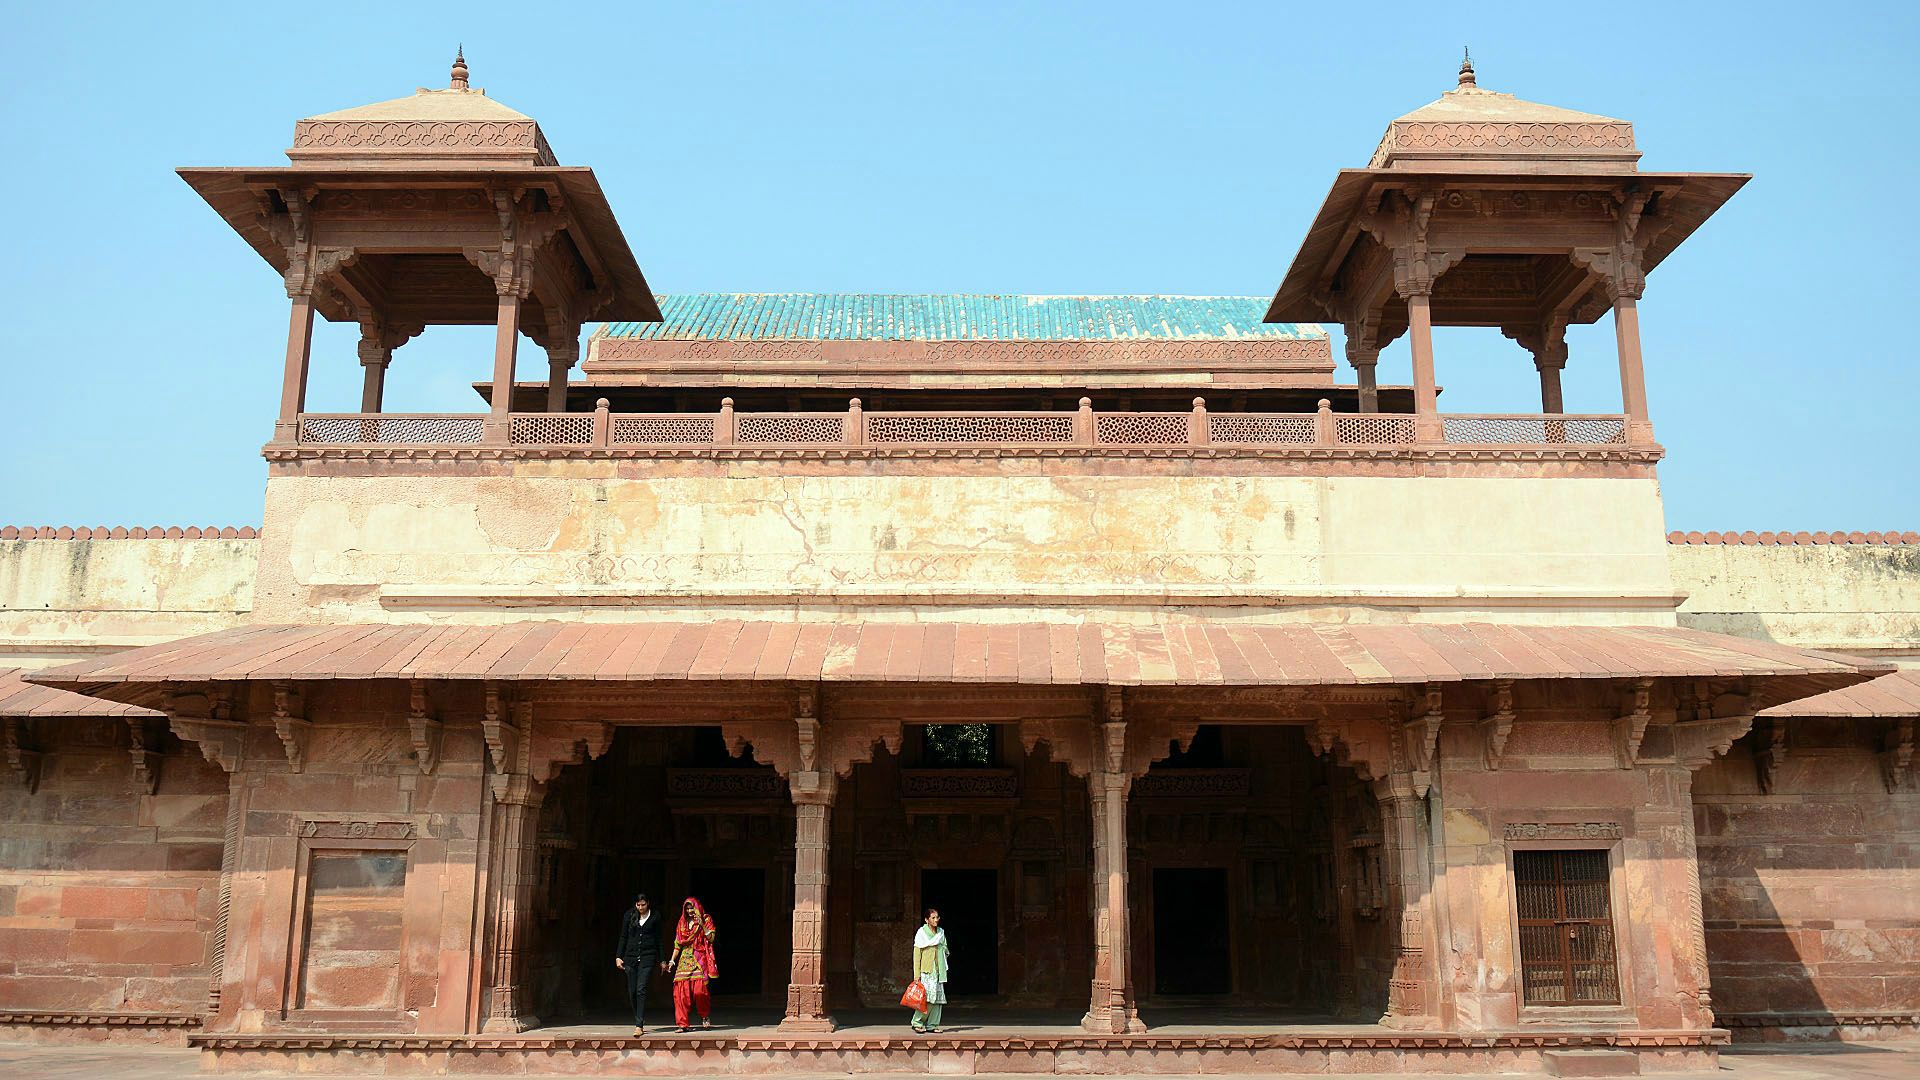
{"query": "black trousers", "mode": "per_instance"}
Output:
(638, 973)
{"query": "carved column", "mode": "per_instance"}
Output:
(1410, 995)
(1633, 380)
(561, 355)
(293, 383)
(378, 339)
(806, 984)
(375, 355)
(506, 344)
(516, 823)
(1547, 341)
(1365, 360)
(1111, 1010)
(1426, 395)
(812, 783)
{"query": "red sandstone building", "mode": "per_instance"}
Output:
(1239, 718)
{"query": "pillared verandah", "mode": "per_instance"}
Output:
(1189, 682)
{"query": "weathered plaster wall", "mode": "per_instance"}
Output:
(1812, 890)
(63, 598)
(108, 894)
(972, 536)
(1856, 597)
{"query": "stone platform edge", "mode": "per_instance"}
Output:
(1399, 1052)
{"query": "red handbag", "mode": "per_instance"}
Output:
(916, 996)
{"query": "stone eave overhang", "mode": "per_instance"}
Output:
(1691, 198)
(237, 194)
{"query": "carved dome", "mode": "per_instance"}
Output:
(459, 125)
(1471, 129)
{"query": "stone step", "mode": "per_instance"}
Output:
(1591, 1063)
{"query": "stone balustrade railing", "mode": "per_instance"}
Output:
(1084, 428)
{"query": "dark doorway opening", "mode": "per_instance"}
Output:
(736, 898)
(969, 903)
(1190, 942)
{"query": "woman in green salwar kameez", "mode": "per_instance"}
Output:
(930, 970)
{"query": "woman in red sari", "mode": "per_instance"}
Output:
(692, 965)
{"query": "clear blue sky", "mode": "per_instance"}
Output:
(1047, 148)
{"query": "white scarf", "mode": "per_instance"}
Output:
(922, 938)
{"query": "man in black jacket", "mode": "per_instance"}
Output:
(637, 953)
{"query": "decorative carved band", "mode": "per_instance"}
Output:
(1195, 784)
(1563, 830)
(422, 135)
(357, 830)
(725, 784)
(958, 784)
(1493, 137)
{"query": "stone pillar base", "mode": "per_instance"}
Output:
(1114, 1021)
(1410, 1023)
(810, 1025)
(509, 1025)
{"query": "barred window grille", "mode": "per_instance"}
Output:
(1255, 429)
(551, 429)
(1566, 928)
(1141, 429)
(661, 430)
(898, 428)
(1373, 429)
(391, 428)
(789, 428)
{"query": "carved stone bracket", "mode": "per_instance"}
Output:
(22, 760)
(146, 763)
(1498, 723)
(206, 720)
(289, 724)
(1422, 734)
(1772, 752)
(1896, 759)
(1630, 727)
(423, 729)
(1697, 742)
(848, 743)
(1069, 742)
(553, 745)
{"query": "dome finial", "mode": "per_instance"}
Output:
(460, 67)
(1466, 70)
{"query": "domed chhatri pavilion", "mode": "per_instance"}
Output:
(1238, 717)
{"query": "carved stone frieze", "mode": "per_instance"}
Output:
(1562, 830)
(1194, 784)
(478, 135)
(1483, 136)
(724, 784)
(356, 829)
(958, 784)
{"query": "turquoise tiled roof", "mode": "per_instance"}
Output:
(873, 316)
